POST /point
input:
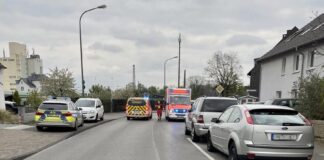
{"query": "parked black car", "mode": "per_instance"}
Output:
(288, 102)
(11, 107)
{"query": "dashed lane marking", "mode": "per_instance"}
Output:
(201, 150)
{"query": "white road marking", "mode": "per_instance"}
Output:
(19, 127)
(157, 155)
(201, 150)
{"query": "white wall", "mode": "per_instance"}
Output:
(2, 104)
(26, 88)
(273, 80)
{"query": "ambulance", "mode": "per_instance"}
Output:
(178, 102)
(138, 107)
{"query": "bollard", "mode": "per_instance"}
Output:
(21, 114)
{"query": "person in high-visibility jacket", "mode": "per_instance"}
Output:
(159, 110)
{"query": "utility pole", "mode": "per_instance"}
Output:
(184, 79)
(179, 40)
(134, 80)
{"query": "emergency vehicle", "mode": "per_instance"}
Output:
(177, 103)
(138, 107)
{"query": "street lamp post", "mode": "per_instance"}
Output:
(164, 85)
(82, 77)
(179, 40)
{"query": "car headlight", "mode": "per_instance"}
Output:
(92, 111)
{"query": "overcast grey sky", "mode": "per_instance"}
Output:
(145, 32)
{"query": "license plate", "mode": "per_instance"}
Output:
(180, 115)
(53, 115)
(137, 112)
(284, 137)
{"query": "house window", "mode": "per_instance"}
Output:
(283, 69)
(278, 94)
(294, 93)
(22, 88)
(296, 62)
(311, 56)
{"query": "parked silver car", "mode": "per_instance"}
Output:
(261, 131)
(203, 110)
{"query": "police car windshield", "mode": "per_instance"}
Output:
(136, 102)
(53, 106)
(85, 103)
(179, 100)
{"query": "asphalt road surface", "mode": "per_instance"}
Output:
(130, 140)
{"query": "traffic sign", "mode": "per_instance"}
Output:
(219, 89)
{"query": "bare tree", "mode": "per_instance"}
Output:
(226, 70)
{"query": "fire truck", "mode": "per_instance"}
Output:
(177, 103)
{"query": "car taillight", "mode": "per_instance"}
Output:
(250, 155)
(307, 121)
(68, 114)
(147, 108)
(39, 113)
(248, 117)
(200, 119)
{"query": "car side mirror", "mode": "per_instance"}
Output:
(190, 110)
(215, 120)
(98, 106)
(80, 109)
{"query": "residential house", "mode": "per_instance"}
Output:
(2, 99)
(298, 54)
(31, 83)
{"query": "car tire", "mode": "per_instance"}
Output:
(102, 118)
(210, 146)
(187, 132)
(232, 152)
(39, 128)
(194, 136)
(82, 123)
(96, 120)
(75, 128)
(128, 118)
(167, 118)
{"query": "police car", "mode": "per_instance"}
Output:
(58, 113)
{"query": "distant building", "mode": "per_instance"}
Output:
(19, 65)
(31, 83)
(2, 99)
(299, 53)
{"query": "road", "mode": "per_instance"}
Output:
(129, 140)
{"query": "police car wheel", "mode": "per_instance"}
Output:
(102, 118)
(75, 125)
(128, 118)
(39, 128)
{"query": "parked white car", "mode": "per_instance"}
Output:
(92, 108)
(203, 110)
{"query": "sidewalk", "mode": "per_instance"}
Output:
(319, 150)
(19, 140)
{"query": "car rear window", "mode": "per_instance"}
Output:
(277, 117)
(216, 105)
(136, 102)
(85, 103)
(53, 106)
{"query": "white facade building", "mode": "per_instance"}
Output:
(2, 98)
(299, 54)
(32, 83)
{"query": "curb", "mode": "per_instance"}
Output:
(23, 156)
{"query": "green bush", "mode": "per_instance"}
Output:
(311, 97)
(7, 117)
